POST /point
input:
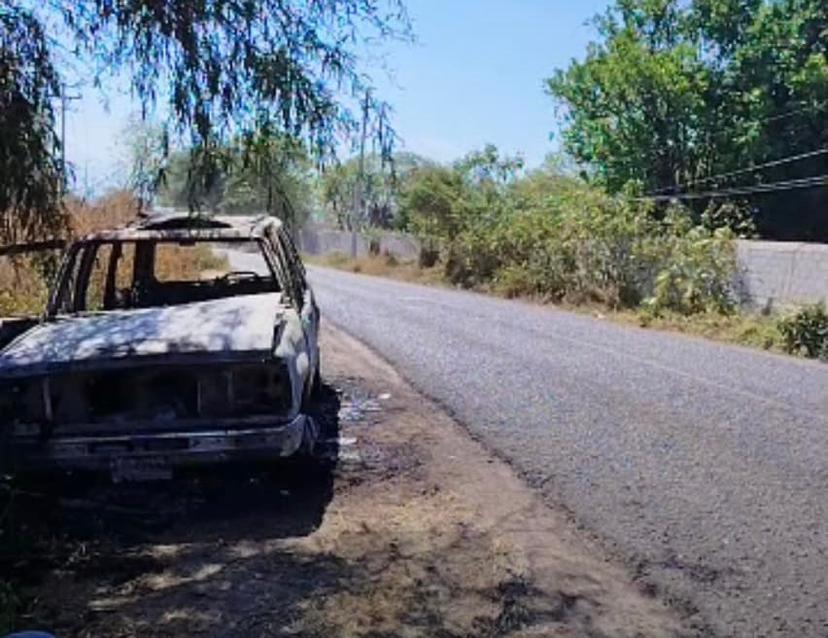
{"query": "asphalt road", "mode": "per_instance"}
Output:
(704, 465)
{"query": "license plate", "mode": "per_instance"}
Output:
(154, 469)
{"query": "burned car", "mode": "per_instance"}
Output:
(176, 340)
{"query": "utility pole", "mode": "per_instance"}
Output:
(359, 203)
(64, 105)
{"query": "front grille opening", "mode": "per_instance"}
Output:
(158, 394)
(252, 390)
(258, 389)
(161, 395)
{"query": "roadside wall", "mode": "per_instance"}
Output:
(325, 241)
(776, 273)
(772, 273)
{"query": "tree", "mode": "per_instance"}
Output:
(633, 106)
(443, 202)
(378, 186)
(675, 94)
(215, 70)
(275, 179)
(147, 156)
(30, 168)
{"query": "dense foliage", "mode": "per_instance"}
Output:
(357, 194)
(550, 235)
(806, 331)
(30, 168)
(211, 70)
(676, 93)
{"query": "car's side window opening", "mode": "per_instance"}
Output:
(111, 276)
(296, 275)
(293, 284)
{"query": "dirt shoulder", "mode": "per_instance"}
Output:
(410, 528)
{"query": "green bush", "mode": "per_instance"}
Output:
(806, 331)
(554, 237)
(694, 268)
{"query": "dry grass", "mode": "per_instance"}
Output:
(110, 211)
(740, 328)
(187, 263)
(24, 280)
(382, 266)
(22, 290)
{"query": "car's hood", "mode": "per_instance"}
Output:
(223, 326)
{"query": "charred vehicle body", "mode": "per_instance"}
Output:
(173, 341)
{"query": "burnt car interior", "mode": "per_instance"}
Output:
(125, 274)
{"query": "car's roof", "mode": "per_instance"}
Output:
(174, 226)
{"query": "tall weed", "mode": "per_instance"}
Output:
(805, 331)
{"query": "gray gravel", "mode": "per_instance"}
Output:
(703, 465)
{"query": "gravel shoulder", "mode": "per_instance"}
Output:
(406, 527)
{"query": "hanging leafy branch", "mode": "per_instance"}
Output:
(210, 70)
(30, 166)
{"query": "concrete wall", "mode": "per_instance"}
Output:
(779, 273)
(403, 247)
(772, 273)
(325, 241)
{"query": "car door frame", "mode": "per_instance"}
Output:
(301, 294)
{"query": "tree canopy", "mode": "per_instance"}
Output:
(30, 168)
(354, 197)
(211, 70)
(675, 94)
(276, 180)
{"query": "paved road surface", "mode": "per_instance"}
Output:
(704, 465)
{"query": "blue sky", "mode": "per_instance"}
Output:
(474, 76)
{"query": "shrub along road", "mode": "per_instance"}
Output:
(705, 466)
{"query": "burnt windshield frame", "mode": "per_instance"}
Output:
(85, 250)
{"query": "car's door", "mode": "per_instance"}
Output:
(301, 295)
(309, 311)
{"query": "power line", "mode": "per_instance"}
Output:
(784, 160)
(782, 116)
(748, 190)
(807, 182)
(751, 169)
(721, 133)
